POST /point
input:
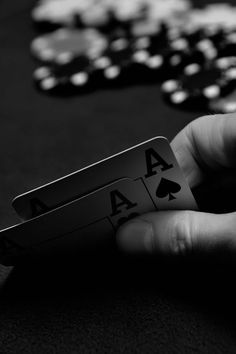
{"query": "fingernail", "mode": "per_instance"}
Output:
(136, 237)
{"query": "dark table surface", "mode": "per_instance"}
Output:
(108, 305)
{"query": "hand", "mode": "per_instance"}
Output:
(205, 146)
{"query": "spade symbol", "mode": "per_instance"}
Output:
(167, 188)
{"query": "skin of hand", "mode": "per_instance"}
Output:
(206, 145)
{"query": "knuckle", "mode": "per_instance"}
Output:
(181, 238)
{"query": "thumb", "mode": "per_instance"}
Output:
(178, 232)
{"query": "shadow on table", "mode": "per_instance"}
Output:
(195, 298)
(201, 281)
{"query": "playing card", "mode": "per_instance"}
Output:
(85, 225)
(151, 162)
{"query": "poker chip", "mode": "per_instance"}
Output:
(144, 28)
(63, 45)
(59, 12)
(149, 57)
(115, 64)
(127, 11)
(198, 85)
(97, 16)
(226, 104)
(100, 13)
(211, 18)
(191, 48)
(85, 13)
(182, 53)
(110, 15)
(211, 28)
(75, 76)
(170, 12)
(227, 46)
(166, 58)
(225, 63)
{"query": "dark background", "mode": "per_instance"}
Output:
(100, 305)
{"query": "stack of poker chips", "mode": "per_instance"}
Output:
(103, 43)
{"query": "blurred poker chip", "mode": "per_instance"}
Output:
(170, 12)
(226, 104)
(59, 12)
(198, 85)
(114, 66)
(73, 77)
(227, 45)
(101, 13)
(164, 58)
(215, 22)
(152, 56)
(141, 28)
(63, 45)
(126, 11)
(211, 18)
(184, 52)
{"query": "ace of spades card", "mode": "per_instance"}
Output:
(164, 180)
